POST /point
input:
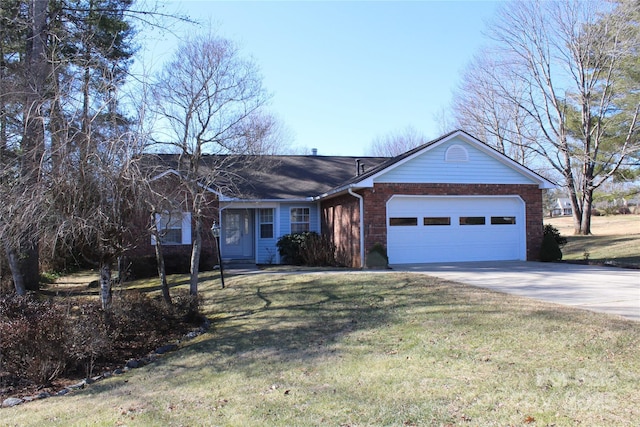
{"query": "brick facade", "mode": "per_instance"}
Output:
(340, 218)
(141, 254)
(346, 230)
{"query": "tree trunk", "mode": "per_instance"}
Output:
(162, 274)
(30, 265)
(105, 284)
(14, 265)
(585, 226)
(37, 70)
(195, 256)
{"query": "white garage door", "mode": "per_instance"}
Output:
(455, 229)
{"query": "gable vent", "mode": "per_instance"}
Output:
(456, 154)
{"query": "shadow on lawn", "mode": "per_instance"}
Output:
(309, 319)
(313, 318)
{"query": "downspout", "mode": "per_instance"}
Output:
(361, 200)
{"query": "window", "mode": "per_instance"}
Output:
(436, 220)
(174, 228)
(499, 220)
(299, 220)
(266, 223)
(472, 220)
(403, 222)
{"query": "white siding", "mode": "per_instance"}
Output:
(285, 217)
(267, 251)
(431, 167)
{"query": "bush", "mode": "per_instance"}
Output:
(308, 248)
(318, 251)
(551, 244)
(555, 233)
(33, 338)
(42, 340)
(377, 257)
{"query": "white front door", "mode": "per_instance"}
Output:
(236, 239)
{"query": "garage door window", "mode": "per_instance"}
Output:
(501, 220)
(472, 220)
(403, 222)
(436, 220)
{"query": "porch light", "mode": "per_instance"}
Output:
(215, 230)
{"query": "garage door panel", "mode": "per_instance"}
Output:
(455, 242)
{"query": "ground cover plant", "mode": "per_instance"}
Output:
(615, 240)
(362, 349)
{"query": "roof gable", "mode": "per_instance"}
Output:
(456, 158)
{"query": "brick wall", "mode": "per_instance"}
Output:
(341, 221)
(376, 201)
(141, 253)
(346, 230)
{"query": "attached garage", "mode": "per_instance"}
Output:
(454, 199)
(455, 228)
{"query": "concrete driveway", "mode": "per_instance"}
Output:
(603, 289)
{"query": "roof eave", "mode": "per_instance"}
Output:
(344, 189)
(293, 200)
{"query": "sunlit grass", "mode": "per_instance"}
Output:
(615, 239)
(370, 349)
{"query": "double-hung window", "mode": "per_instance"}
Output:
(174, 228)
(299, 220)
(266, 223)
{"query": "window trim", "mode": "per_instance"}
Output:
(300, 223)
(185, 227)
(262, 222)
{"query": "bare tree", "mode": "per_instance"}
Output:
(480, 108)
(556, 70)
(396, 143)
(210, 101)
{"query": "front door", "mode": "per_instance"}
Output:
(236, 239)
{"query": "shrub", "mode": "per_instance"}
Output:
(318, 250)
(308, 248)
(555, 233)
(32, 339)
(42, 340)
(551, 243)
(377, 257)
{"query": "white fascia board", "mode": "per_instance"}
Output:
(542, 182)
(343, 190)
(165, 173)
(244, 202)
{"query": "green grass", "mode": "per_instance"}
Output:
(363, 349)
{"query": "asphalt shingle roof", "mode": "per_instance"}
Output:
(277, 177)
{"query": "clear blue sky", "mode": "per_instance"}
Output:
(342, 73)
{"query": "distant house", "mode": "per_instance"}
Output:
(562, 207)
(452, 199)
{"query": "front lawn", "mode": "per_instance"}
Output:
(615, 240)
(362, 349)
